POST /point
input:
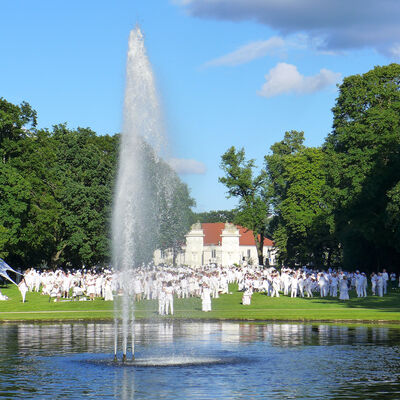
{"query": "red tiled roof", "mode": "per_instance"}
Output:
(213, 231)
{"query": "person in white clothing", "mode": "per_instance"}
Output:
(323, 285)
(364, 285)
(379, 285)
(385, 277)
(169, 299)
(374, 278)
(333, 286)
(308, 285)
(161, 300)
(344, 289)
(108, 293)
(294, 286)
(393, 280)
(246, 298)
(300, 285)
(359, 283)
(276, 283)
(206, 298)
(23, 288)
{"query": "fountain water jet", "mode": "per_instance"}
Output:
(134, 220)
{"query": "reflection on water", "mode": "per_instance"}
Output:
(259, 361)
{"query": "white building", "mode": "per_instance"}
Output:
(220, 243)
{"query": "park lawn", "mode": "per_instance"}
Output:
(227, 307)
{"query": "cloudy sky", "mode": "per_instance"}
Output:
(229, 72)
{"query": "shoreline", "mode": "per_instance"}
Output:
(370, 311)
(308, 321)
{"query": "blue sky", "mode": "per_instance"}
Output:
(237, 72)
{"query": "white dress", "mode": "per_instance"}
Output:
(246, 299)
(23, 288)
(206, 299)
(344, 290)
(108, 294)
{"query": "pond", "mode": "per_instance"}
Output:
(235, 361)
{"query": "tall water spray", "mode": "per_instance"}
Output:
(134, 220)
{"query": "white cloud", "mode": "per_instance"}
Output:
(394, 51)
(248, 52)
(336, 25)
(285, 78)
(187, 166)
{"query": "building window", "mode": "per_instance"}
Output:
(213, 253)
(248, 253)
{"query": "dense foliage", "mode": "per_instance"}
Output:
(338, 204)
(214, 216)
(56, 193)
(302, 225)
(252, 190)
(363, 167)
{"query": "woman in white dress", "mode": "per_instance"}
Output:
(23, 288)
(108, 294)
(344, 289)
(206, 299)
(91, 288)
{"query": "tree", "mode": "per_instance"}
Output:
(175, 214)
(86, 169)
(302, 225)
(14, 204)
(363, 163)
(13, 122)
(214, 216)
(57, 192)
(253, 210)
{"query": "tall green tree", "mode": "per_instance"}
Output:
(175, 214)
(302, 224)
(14, 205)
(363, 167)
(251, 190)
(56, 194)
(37, 164)
(15, 124)
(86, 169)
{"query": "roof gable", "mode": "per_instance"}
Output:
(213, 230)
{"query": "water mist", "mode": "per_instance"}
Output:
(134, 219)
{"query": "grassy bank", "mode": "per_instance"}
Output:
(227, 307)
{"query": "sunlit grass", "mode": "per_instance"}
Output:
(227, 307)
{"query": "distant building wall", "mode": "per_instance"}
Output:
(223, 244)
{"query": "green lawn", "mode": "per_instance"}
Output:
(227, 307)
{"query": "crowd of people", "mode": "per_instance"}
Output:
(79, 284)
(163, 283)
(307, 282)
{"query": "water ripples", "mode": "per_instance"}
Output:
(205, 360)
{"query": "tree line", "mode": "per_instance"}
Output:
(337, 204)
(56, 190)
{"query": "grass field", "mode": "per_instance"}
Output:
(227, 307)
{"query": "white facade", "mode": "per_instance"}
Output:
(194, 241)
(223, 244)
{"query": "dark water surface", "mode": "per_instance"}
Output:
(236, 361)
